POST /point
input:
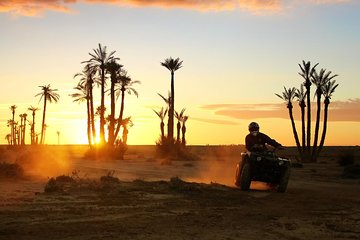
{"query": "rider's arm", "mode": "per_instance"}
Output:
(271, 141)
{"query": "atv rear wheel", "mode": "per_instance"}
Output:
(284, 180)
(245, 178)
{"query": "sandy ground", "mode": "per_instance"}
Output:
(319, 204)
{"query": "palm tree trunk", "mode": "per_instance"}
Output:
(162, 130)
(308, 128)
(317, 125)
(324, 129)
(43, 123)
(102, 118)
(88, 121)
(13, 128)
(111, 139)
(178, 128)
(171, 109)
(92, 115)
(303, 134)
(294, 129)
(121, 112)
(24, 133)
(33, 129)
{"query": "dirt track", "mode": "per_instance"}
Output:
(318, 205)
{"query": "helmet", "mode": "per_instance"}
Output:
(253, 126)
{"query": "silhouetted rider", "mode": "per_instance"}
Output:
(256, 141)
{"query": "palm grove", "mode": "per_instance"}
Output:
(17, 134)
(325, 86)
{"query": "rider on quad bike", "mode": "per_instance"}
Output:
(261, 164)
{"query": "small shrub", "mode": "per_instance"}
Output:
(11, 170)
(346, 159)
(351, 171)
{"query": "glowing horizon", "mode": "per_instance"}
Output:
(236, 55)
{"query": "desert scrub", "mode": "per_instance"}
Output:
(346, 158)
(11, 170)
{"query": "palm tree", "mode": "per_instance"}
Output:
(301, 95)
(320, 80)
(10, 124)
(179, 117)
(328, 90)
(81, 96)
(114, 69)
(126, 123)
(306, 72)
(99, 59)
(32, 128)
(24, 129)
(49, 95)
(21, 128)
(183, 130)
(8, 138)
(88, 78)
(288, 96)
(161, 114)
(125, 86)
(13, 108)
(172, 65)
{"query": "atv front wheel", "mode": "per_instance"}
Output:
(284, 180)
(245, 178)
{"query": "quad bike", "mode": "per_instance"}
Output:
(265, 167)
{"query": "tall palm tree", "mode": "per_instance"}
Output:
(172, 65)
(161, 114)
(179, 117)
(49, 95)
(21, 127)
(306, 72)
(126, 123)
(82, 95)
(301, 96)
(288, 96)
(183, 130)
(13, 108)
(88, 79)
(114, 70)
(24, 129)
(32, 128)
(328, 90)
(125, 85)
(320, 80)
(99, 59)
(10, 123)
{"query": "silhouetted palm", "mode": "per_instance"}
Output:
(49, 95)
(99, 59)
(88, 79)
(32, 128)
(301, 95)
(13, 140)
(161, 114)
(82, 95)
(172, 65)
(113, 69)
(126, 123)
(8, 138)
(125, 85)
(306, 72)
(320, 80)
(183, 130)
(23, 128)
(327, 91)
(179, 117)
(288, 96)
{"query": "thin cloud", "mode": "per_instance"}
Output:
(347, 111)
(38, 7)
(215, 121)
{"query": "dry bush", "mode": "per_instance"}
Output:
(11, 170)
